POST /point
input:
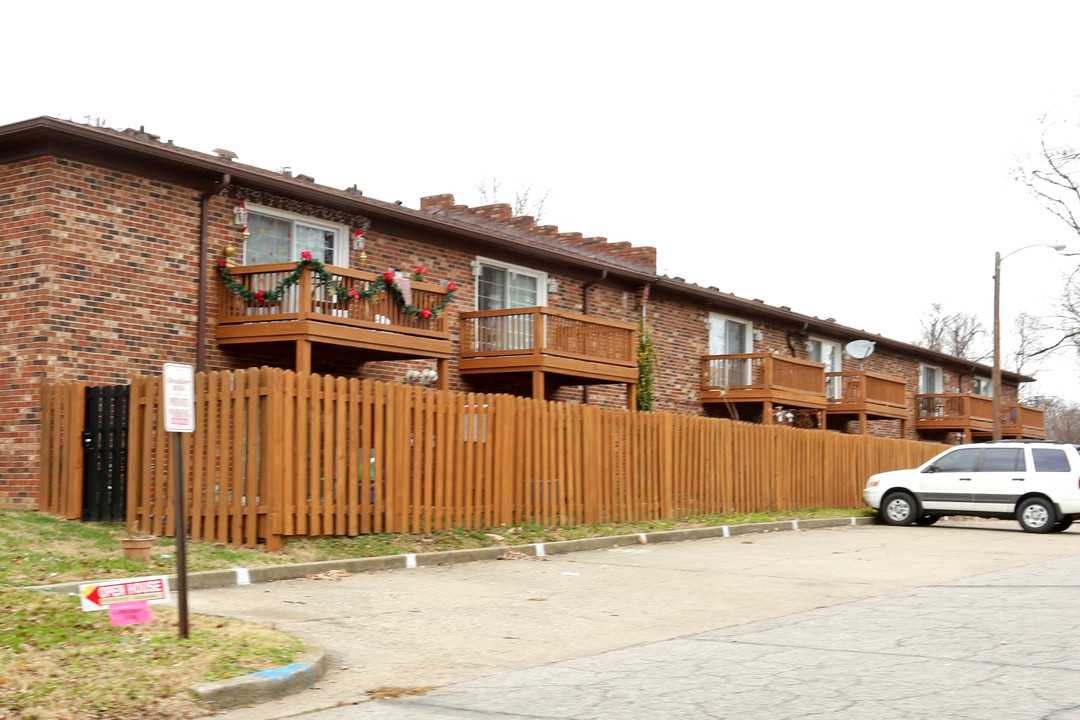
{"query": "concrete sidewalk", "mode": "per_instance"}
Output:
(433, 626)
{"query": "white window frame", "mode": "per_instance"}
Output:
(986, 382)
(732, 371)
(540, 275)
(838, 352)
(748, 343)
(833, 386)
(940, 377)
(341, 232)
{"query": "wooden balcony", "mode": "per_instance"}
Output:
(554, 346)
(1023, 422)
(954, 412)
(866, 395)
(765, 379)
(973, 415)
(372, 329)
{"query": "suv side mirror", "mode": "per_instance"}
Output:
(931, 469)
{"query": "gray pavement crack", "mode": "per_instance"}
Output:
(466, 712)
(1072, 710)
(911, 656)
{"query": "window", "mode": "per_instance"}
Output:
(500, 286)
(1003, 460)
(729, 336)
(1050, 460)
(983, 386)
(277, 236)
(930, 380)
(960, 461)
(828, 352)
(504, 287)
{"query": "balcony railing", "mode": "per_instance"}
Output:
(954, 411)
(309, 300)
(1023, 421)
(537, 331)
(855, 391)
(762, 377)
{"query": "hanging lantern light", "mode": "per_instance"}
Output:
(240, 215)
(359, 244)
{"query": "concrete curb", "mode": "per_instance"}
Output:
(264, 685)
(246, 576)
(275, 683)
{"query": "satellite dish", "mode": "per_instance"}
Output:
(860, 349)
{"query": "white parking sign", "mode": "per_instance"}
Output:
(178, 386)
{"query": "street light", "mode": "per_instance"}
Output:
(995, 379)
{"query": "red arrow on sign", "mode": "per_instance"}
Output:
(92, 596)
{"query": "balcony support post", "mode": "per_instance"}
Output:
(303, 356)
(442, 366)
(862, 423)
(631, 396)
(766, 413)
(538, 384)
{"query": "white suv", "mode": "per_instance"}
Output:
(1036, 482)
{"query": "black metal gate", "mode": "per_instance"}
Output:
(105, 454)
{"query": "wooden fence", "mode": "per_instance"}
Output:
(276, 455)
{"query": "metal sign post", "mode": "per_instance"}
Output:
(178, 396)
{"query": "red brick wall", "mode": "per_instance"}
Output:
(102, 283)
(25, 305)
(105, 287)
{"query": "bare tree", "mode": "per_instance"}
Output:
(1050, 177)
(954, 333)
(525, 202)
(1028, 331)
(1062, 418)
(933, 329)
(1053, 178)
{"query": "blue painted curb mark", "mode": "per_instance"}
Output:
(285, 673)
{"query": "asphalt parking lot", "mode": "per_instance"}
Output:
(788, 624)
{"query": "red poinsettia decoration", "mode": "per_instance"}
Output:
(354, 295)
(259, 297)
(306, 255)
(425, 313)
(451, 286)
(221, 263)
(388, 276)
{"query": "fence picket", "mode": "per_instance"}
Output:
(278, 454)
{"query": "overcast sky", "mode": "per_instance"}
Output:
(848, 159)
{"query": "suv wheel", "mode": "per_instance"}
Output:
(899, 509)
(1036, 515)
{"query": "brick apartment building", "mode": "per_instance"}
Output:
(113, 244)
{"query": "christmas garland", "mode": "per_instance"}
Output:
(335, 290)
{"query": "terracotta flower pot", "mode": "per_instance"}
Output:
(137, 548)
